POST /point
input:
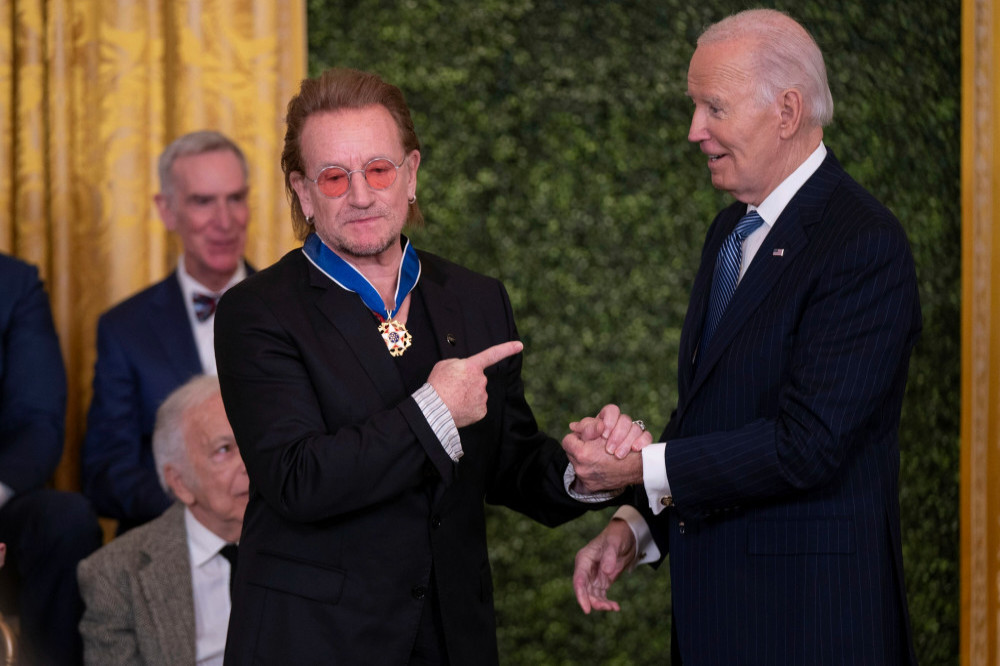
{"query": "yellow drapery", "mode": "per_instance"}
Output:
(90, 93)
(980, 626)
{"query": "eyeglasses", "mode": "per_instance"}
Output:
(334, 181)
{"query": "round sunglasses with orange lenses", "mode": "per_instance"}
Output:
(334, 181)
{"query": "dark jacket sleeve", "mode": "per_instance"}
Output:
(32, 381)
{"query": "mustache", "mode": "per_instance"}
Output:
(372, 211)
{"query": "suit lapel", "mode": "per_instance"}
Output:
(443, 310)
(171, 328)
(354, 322)
(351, 318)
(695, 318)
(786, 240)
(166, 585)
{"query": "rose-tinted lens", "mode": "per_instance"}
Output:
(332, 181)
(380, 174)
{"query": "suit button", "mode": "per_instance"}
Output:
(436, 522)
(419, 591)
(667, 500)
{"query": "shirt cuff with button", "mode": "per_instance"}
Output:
(439, 419)
(646, 550)
(569, 476)
(654, 477)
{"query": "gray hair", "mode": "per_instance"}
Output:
(169, 433)
(785, 56)
(194, 143)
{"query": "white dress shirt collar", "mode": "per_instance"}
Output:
(770, 209)
(210, 590)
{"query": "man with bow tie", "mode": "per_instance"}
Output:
(156, 340)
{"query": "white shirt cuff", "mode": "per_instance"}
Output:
(646, 550)
(654, 477)
(439, 419)
(569, 476)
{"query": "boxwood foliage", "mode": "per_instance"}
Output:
(555, 157)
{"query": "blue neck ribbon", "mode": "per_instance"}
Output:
(345, 274)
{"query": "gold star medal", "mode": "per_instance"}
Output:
(348, 277)
(396, 337)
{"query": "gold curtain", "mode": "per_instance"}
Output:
(90, 93)
(980, 548)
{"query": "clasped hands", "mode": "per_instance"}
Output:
(605, 450)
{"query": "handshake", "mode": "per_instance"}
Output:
(604, 450)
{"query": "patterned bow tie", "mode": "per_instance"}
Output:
(204, 306)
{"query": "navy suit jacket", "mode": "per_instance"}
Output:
(783, 452)
(353, 500)
(145, 349)
(32, 380)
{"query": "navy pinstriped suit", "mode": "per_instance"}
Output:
(783, 451)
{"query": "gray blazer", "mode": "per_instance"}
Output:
(137, 591)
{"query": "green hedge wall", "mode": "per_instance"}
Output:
(555, 157)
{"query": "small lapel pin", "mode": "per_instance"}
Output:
(451, 339)
(778, 252)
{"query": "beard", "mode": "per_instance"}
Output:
(371, 243)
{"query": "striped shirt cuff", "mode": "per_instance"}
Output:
(569, 476)
(439, 419)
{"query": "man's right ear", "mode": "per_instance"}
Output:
(166, 213)
(177, 485)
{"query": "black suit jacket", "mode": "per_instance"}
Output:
(340, 538)
(783, 452)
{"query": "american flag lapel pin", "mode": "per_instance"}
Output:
(778, 252)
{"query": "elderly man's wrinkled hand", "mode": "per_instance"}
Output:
(599, 563)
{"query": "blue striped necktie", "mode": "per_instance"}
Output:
(727, 274)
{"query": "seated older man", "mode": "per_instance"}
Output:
(159, 594)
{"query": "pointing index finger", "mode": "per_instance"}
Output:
(496, 353)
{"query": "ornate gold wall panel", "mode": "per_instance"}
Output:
(980, 549)
(90, 92)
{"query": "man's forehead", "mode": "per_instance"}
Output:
(370, 129)
(717, 72)
(209, 174)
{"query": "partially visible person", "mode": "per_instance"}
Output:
(160, 594)
(375, 392)
(46, 531)
(156, 340)
(775, 486)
